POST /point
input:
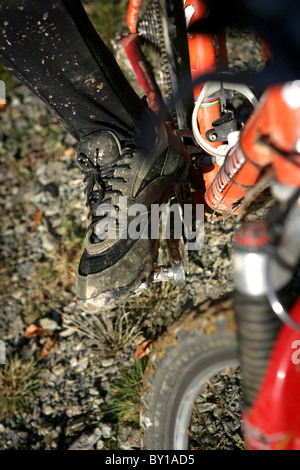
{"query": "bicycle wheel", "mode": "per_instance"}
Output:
(162, 31)
(190, 398)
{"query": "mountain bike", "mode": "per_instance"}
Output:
(250, 340)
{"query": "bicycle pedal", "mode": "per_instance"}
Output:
(176, 271)
(163, 274)
(177, 252)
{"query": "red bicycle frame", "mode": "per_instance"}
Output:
(270, 139)
(136, 57)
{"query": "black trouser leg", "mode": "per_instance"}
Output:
(52, 47)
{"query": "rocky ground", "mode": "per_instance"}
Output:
(61, 365)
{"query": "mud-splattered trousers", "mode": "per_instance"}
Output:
(52, 47)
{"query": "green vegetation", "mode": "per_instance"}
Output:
(20, 379)
(107, 17)
(124, 405)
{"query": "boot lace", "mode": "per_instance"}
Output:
(99, 182)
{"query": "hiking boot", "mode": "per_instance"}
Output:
(112, 268)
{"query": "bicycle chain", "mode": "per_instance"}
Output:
(151, 27)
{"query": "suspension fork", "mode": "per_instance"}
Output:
(269, 336)
(264, 260)
(273, 421)
(269, 138)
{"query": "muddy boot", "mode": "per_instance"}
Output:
(115, 260)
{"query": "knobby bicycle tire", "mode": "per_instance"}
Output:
(198, 346)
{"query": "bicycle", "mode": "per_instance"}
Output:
(255, 330)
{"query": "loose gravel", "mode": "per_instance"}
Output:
(78, 357)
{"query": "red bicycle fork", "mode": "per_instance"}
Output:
(273, 422)
(268, 334)
(270, 138)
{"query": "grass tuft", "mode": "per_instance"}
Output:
(19, 380)
(124, 404)
(108, 334)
